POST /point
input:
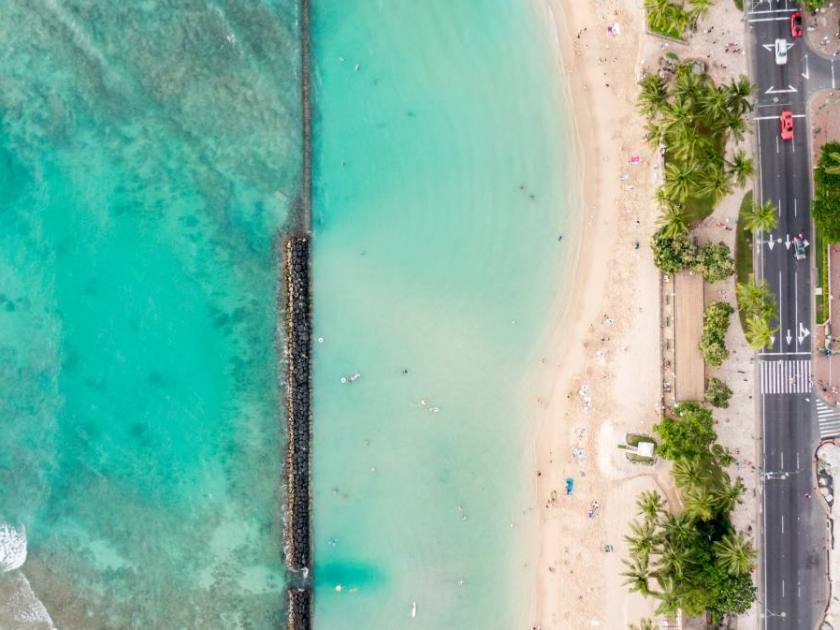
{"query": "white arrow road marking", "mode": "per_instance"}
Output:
(788, 337)
(771, 242)
(806, 74)
(772, 90)
(803, 332)
(787, 241)
(772, 340)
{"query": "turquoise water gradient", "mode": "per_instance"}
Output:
(442, 166)
(148, 153)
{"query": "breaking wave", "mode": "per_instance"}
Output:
(12, 547)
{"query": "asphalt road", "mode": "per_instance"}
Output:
(793, 589)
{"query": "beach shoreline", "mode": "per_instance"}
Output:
(599, 375)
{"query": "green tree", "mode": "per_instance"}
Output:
(715, 262)
(726, 495)
(713, 339)
(680, 180)
(653, 96)
(826, 206)
(699, 8)
(686, 434)
(714, 181)
(832, 163)
(644, 624)
(673, 221)
(718, 393)
(637, 576)
(759, 332)
(729, 594)
(761, 217)
(741, 168)
(650, 505)
(739, 95)
(672, 253)
(714, 105)
(755, 298)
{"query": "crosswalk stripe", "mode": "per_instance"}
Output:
(828, 418)
(785, 377)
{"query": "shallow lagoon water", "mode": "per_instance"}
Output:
(441, 190)
(148, 153)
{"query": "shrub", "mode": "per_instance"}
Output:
(826, 209)
(716, 262)
(713, 339)
(673, 253)
(718, 393)
(687, 434)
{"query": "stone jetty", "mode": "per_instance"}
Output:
(297, 325)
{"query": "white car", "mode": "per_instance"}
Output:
(781, 49)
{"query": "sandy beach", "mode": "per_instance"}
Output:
(600, 378)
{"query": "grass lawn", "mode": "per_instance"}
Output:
(669, 32)
(697, 209)
(822, 277)
(743, 249)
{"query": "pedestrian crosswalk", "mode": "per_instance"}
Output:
(828, 418)
(786, 377)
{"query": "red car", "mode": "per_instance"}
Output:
(787, 124)
(796, 25)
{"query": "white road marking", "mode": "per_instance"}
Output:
(794, 206)
(780, 301)
(789, 90)
(777, 144)
(782, 467)
(783, 531)
(796, 306)
(776, 117)
(782, 354)
(778, 19)
(785, 376)
(828, 419)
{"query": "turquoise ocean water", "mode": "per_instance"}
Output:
(148, 153)
(442, 178)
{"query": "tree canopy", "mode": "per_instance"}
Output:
(826, 208)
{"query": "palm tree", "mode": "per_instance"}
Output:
(687, 144)
(673, 221)
(689, 473)
(716, 182)
(650, 505)
(652, 96)
(741, 168)
(739, 93)
(734, 553)
(638, 576)
(736, 125)
(699, 503)
(713, 105)
(761, 217)
(655, 133)
(833, 169)
(699, 8)
(759, 333)
(688, 86)
(677, 115)
(673, 562)
(726, 496)
(660, 14)
(755, 297)
(680, 180)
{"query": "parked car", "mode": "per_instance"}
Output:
(796, 25)
(781, 49)
(786, 124)
(799, 247)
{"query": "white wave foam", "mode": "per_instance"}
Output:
(12, 547)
